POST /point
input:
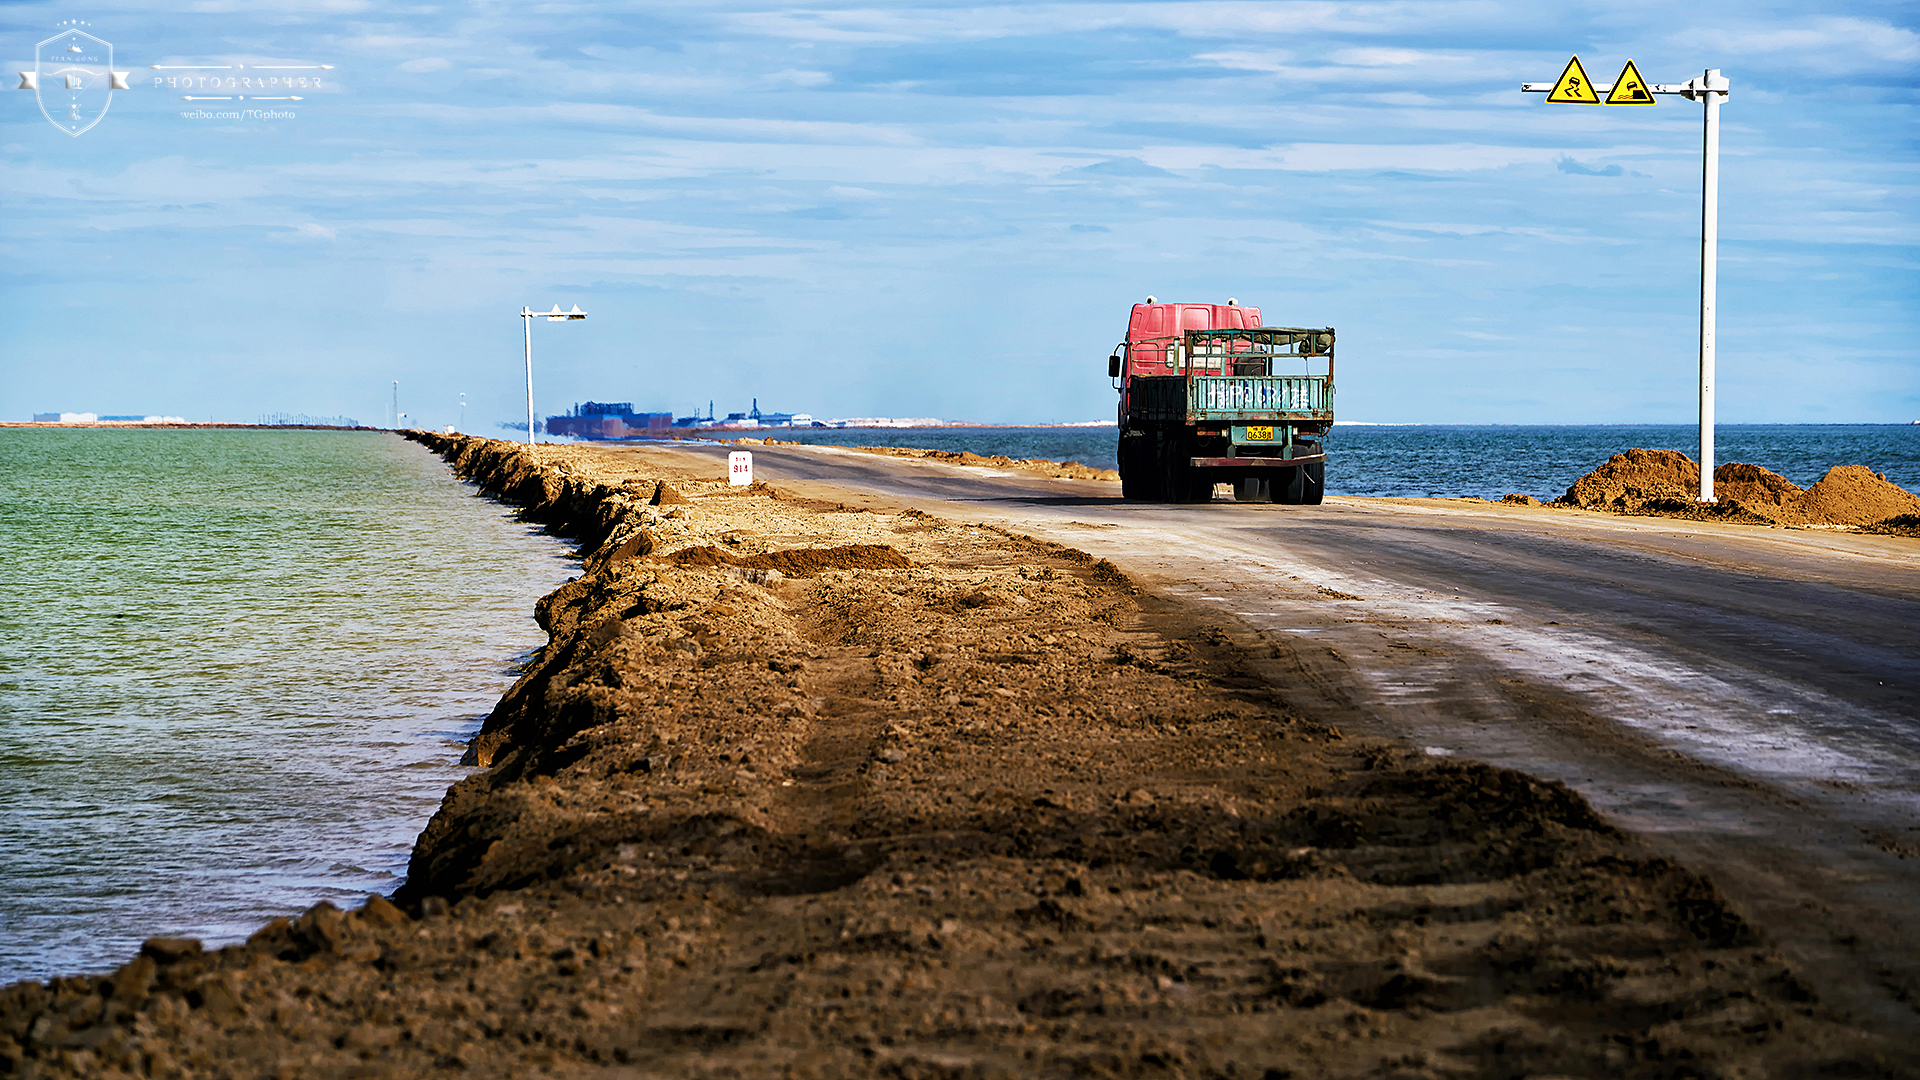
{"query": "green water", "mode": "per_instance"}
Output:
(237, 671)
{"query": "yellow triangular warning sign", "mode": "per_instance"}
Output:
(1573, 87)
(1629, 88)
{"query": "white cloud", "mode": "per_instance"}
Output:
(1827, 43)
(1384, 57)
(426, 64)
(719, 128)
(1229, 18)
(796, 77)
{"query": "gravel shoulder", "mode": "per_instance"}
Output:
(806, 787)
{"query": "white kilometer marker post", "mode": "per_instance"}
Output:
(739, 469)
(1710, 89)
(526, 324)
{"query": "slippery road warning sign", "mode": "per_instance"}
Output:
(1628, 89)
(1573, 87)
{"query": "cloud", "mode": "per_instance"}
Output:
(1090, 228)
(426, 64)
(1575, 168)
(1128, 167)
(1227, 18)
(1830, 43)
(797, 77)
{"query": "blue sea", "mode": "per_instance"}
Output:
(1451, 461)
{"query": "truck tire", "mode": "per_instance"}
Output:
(1132, 477)
(1313, 485)
(1253, 489)
(1142, 477)
(1198, 487)
(1290, 485)
(1181, 482)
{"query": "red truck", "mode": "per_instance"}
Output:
(1208, 395)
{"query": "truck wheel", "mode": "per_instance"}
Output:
(1130, 472)
(1142, 476)
(1253, 489)
(1290, 487)
(1169, 468)
(1180, 481)
(1314, 483)
(1198, 487)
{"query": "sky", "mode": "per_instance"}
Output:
(932, 209)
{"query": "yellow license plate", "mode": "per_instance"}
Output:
(1259, 434)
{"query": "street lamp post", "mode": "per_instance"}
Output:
(526, 325)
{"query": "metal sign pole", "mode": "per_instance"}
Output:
(1573, 88)
(1709, 268)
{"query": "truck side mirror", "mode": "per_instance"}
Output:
(1113, 366)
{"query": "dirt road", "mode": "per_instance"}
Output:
(1747, 699)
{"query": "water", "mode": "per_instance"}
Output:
(1450, 461)
(237, 670)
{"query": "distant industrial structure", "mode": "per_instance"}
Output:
(598, 420)
(609, 420)
(95, 418)
(616, 420)
(281, 419)
(752, 418)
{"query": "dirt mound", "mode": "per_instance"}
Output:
(1856, 495)
(799, 562)
(1667, 483)
(1760, 492)
(1517, 499)
(1904, 525)
(664, 495)
(705, 555)
(1635, 477)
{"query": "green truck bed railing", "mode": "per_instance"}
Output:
(1214, 397)
(1231, 374)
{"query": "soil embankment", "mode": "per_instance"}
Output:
(803, 790)
(1667, 482)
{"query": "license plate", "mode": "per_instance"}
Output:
(1259, 434)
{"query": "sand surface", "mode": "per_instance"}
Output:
(808, 788)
